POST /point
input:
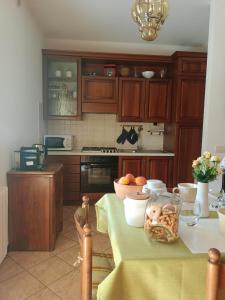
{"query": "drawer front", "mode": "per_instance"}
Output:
(64, 159)
(71, 169)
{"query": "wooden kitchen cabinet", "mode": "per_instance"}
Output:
(183, 136)
(189, 87)
(61, 85)
(189, 148)
(134, 165)
(142, 100)
(131, 99)
(190, 99)
(71, 177)
(154, 167)
(160, 168)
(99, 94)
(158, 100)
(35, 208)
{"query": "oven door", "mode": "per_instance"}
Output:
(98, 177)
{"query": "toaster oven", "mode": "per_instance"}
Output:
(58, 142)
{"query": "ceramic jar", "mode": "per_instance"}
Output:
(135, 207)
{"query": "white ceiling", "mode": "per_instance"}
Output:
(110, 21)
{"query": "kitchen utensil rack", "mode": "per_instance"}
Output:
(140, 127)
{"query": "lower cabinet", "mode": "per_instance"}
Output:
(35, 208)
(71, 177)
(154, 167)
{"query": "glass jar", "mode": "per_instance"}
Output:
(162, 219)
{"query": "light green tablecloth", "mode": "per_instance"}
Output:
(146, 270)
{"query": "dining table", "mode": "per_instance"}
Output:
(146, 269)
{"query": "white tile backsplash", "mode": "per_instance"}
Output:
(103, 130)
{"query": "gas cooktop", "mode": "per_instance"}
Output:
(100, 149)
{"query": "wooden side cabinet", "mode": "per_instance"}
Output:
(71, 177)
(35, 208)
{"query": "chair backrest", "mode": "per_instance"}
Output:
(83, 228)
(215, 279)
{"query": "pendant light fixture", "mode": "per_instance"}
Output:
(149, 15)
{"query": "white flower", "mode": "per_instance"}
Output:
(215, 159)
(207, 154)
(199, 159)
(195, 163)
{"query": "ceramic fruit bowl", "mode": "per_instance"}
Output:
(122, 190)
(148, 74)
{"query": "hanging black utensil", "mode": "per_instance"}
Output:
(122, 137)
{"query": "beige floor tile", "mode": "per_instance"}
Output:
(19, 287)
(63, 243)
(50, 270)
(71, 234)
(68, 287)
(9, 268)
(68, 225)
(44, 294)
(70, 255)
(28, 259)
(101, 242)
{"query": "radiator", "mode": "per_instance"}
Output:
(3, 221)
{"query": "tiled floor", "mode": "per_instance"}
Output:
(48, 275)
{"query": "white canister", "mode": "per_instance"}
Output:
(58, 73)
(135, 209)
(68, 74)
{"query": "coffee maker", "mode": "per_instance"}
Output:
(30, 158)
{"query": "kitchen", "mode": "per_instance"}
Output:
(21, 124)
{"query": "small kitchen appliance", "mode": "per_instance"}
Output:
(29, 158)
(58, 142)
(43, 152)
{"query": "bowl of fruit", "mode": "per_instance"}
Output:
(128, 184)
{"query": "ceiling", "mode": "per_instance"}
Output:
(110, 21)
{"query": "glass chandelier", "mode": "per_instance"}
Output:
(149, 15)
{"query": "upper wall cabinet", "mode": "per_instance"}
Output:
(113, 83)
(142, 100)
(99, 94)
(189, 87)
(61, 86)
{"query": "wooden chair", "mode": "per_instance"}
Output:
(94, 267)
(215, 280)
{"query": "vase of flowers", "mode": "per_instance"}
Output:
(205, 169)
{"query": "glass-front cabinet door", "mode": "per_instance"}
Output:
(61, 87)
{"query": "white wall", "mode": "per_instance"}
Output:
(20, 81)
(214, 115)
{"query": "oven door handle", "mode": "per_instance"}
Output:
(91, 165)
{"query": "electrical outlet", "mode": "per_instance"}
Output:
(220, 149)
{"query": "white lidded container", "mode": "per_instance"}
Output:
(134, 208)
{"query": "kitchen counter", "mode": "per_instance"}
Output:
(121, 152)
